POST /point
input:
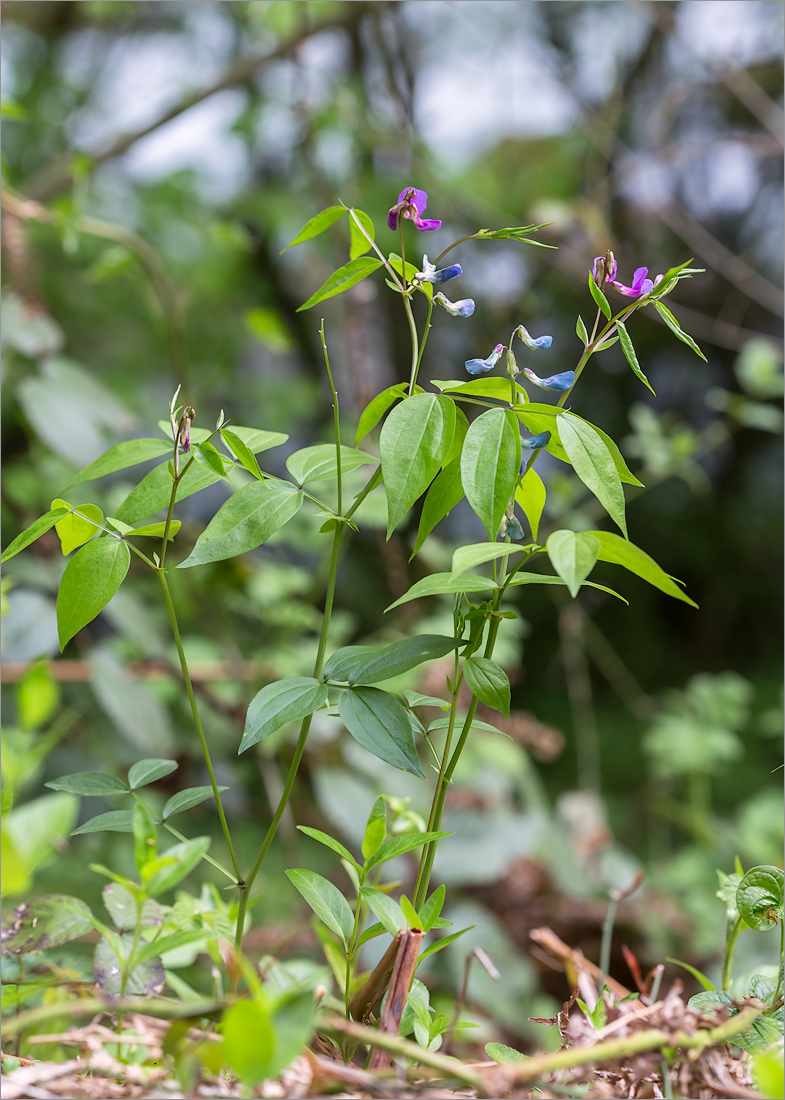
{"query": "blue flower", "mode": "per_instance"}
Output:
(640, 284)
(482, 366)
(429, 274)
(536, 442)
(561, 381)
(464, 308)
(531, 342)
(514, 529)
(411, 204)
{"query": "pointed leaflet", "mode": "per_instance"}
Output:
(368, 664)
(530, 494)
(594, 465)
(326, 900)
(627, 554)
(279, 703)
(347, 276)
(521, 578)
(440, 584)
(149, 771)
(320, 462)
(413, 443)
(677, 330)
(490, 466)
(488, 681)
(88, 783)
(359, 243)
(91, 578)
(330, 842)
(476, 553)
(154, 491)
(599, 297)
(380, 723)
(445, 492)
(34, 531)
(630, 356)
(242, 452)
(245, 521)
(317, 224)
(378, 406)
(121, 456)
(573, 556)
(186, 800)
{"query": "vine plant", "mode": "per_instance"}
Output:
(428, 447)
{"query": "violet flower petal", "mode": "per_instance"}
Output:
(482, 366)
(463, 308)
(561, 381)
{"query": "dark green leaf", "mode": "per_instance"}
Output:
(629, 354)
(43, 923)
(33, 532)
(320, 462)
(121, 456)
(677, 330)
(380, 723)
(342, 279)
(367, 664)
(317, 224)
(759, 897)
(413, 443)
(186, 800)
(279, 703)
(88, 783)
(148, 771)
(400, 845)
(573, 556)
(490, 466)
(488, 681)
(594, 465)
(326, 900)
(445, 492)
(91, 578)
(245, 521)
(377, 407)
(438, 584)
(622, 552)
(599, 297)
(116, 821)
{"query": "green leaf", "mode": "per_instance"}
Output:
(317, 224)
(121, 456)
(440, 945)
(78, 526)
(45, 922)
(160, 946)
(330, 842)
(145, 837)
(522, 578)
(386, 909)
(378, 406)
(410, 913)
(488, 681)
(580, 331)
(759, 897)
(490, 466)
(320, 462)
(148, 771)
(143, 979)
(504, 1055)
(375, 829)
(414, 441)
(573, 556)
(629, 353)
(34, 531)
(359, 244)
(326, 900)
(439, 584)
(599, 297)
(697, 974)
(245, 521)
(91, 578)
(368, 664)
(212, 458)
(342, 279)
(115, 821)
(430, 911)
(467, 557)
(242, 453)
(445, 492)
(625, 474)
(677, 330)
(380, 723)
(186, 800)
(122, 907)
(496, 386)
(88, 783)
(279, 703)
(594, 465)
(177, 862)
(622, 552)
(515, 232)
(154, 491)
(400, 845)
(530, 495)
(395, 262)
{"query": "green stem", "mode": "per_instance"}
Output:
(454, 244)
(336, 417)
(730, 951)
(301, 740)
(199, 728)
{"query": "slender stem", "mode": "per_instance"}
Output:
(454, 244)
(426, 330)
(301, 740)
(730, 951)
(336, 417)
(199, 728)
(390, 269)
(407, 305)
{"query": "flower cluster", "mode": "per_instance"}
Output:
(604, 273)
(411, 204)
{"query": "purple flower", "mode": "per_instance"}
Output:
(482, 366)
(464, 308)
(532, 342)
(604, 270)
(429, 274)
(536, 442)
(411, 203)
(561, 381)
(640, 284)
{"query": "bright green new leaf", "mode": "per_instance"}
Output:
(530, 495)
(368, 664)
(445, 492)
(629, 354)
(149, 530)
(380, 723)
(320, 462)
(186, 800)
(759, 897)
(330, 842)
(622, 552)
(504, 1055)
(121, 456)
(245, 521)
(326, 900)
(594, 465)
(488, 681)
(599, 297)
(523, 578)
(493, 386)
(38, 698)
(413, 443)
(242, 453)
(212, 458)
(91, 578)
(400, 845)
(342, 279)
(430, 911)
(375, 829)
(88, 783)
(490, 466)
(439, 584)
(279, 703)
(378, 406)
(467, 557)
(317, 224)
(410, 913)
(440, 945)
(386, 909)
(149, 771)
(78, 526)
(145, 838)
(34, 531)
(573, 556)
(358, 241)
